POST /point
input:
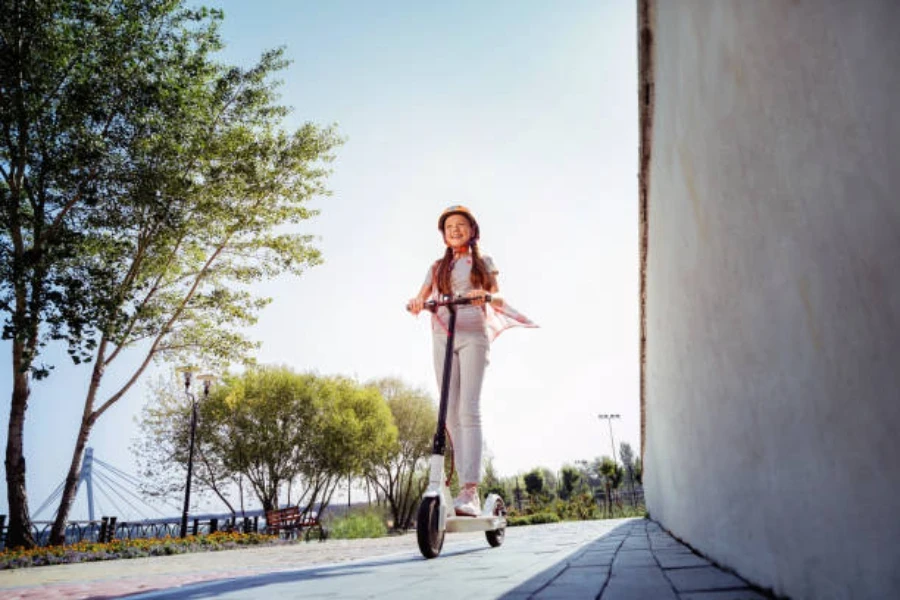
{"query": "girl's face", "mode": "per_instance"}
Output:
(457, 231)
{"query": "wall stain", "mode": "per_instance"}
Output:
(729, 63)
(687, 171)
(803, 287)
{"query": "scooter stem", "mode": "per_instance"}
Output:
(440, 442)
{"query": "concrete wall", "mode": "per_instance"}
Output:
(772, 375)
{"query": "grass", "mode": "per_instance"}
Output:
(364, 523)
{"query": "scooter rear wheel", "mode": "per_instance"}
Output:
(428, 533)
(496, 537)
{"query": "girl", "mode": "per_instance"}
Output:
(463, 271)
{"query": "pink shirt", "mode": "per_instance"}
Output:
(468, 318)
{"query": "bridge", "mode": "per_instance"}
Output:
(124, 512)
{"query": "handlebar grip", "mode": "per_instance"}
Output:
(432, 305)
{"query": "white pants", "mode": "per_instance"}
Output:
(470, 357)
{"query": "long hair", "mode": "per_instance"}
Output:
(480, 277)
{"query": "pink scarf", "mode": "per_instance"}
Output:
(503, 318)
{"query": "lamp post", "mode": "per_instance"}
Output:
(207, 380)
(612, 441)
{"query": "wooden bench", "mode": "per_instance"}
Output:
(290, 522)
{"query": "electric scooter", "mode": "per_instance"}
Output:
(436, 513)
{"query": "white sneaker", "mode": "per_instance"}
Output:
(467, 504)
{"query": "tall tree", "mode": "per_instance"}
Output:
(534, 482)
(184, 288)
(611, 474)
(398, 475)
(626, 455)
(79, 81)
(266, 423)
(571, 480)
(355, 434)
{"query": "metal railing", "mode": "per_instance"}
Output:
(110, 528)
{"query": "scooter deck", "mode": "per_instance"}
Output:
(488, 523)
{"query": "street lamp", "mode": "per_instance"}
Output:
(609, 419)
(207, 380)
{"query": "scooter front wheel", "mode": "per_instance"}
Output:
(428, 531)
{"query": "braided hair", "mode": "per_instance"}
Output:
(480, 276)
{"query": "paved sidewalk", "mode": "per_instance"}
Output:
(610, 560)
(636, 561)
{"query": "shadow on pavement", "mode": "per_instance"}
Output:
(545, 577)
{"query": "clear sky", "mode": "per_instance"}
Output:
(523, 110)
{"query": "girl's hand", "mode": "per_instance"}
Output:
(415, 306)
(477, 296)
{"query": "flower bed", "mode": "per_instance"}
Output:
(89, 551)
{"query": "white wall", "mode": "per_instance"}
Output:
(773, 290)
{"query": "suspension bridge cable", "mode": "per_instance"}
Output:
(114, 489)
(136, 485)
(51, 498)
(100, 489)
(133, 480)
(119, 490)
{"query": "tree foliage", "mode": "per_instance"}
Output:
(82, 83)
(571, 482)
(273, 427)
(400, 475)
(165, 427)
(145, 189)
(534, 482)
(491, 482)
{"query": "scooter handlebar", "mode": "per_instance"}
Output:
(433, 305)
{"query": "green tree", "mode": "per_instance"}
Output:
(626, 453)
(491, 483)
(271, 426)
(551, 484)
(81, 83)
(611, 474)
(610, 471)
(355, 433)
(219, 181)
(534, 482)
(400, 475)
(262, 424)
(571, 480)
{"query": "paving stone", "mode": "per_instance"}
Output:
(536, 582)
(703, 579)
(680, 560)
(626, 559)
(577, 583)
(744, 594)
(638, 584)
(596, 559)
(636, 541)
(666, 542)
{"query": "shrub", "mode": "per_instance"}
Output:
(14, 558)
(367, 523)
(515, 521)
(544, 517)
